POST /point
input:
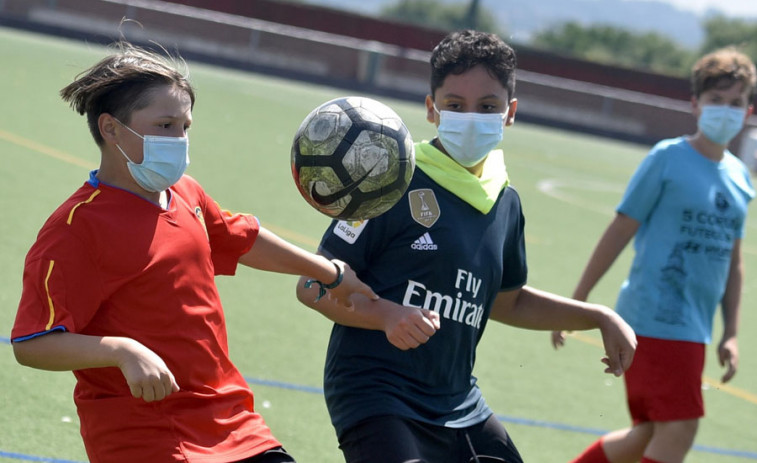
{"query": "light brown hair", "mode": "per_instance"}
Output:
(122, 83)
(721, 69)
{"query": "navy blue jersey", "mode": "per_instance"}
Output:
(431, 250)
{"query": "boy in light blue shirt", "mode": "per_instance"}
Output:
(686, 205)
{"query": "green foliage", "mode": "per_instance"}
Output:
(611, 45)
(722, 32)
(648, 51)
(440, 15)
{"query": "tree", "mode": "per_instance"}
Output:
(440, 15)
(612, 45)
(722, 32)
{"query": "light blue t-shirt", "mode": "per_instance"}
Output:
(691, 210)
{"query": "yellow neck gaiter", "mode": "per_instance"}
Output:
(481, 193)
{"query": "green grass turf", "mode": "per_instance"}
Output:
(569, 184)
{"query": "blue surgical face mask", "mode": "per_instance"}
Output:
(163, 163)
(468, 137)
(720, 123)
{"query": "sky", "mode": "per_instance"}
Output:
(732, 8)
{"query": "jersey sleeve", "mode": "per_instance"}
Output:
(230, 234)
(514, 266)
(645, 187)
(62, 289)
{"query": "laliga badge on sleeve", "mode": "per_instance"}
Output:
(423, 207)
(349, 230)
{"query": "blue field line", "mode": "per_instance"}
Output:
(512, 419)
(547, 424)
(21, 456)
(503, 418)
(283, 385)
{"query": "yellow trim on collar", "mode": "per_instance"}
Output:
(481, 193)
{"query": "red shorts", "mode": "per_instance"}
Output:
(664, 382)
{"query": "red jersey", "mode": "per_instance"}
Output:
(110, 263)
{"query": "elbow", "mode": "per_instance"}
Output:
(302, 292)
(21, 352)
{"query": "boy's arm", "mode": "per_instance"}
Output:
(728, 350)
(534, 309)
(145, 372)
(274, 254)
(610, 245)
(405, 327)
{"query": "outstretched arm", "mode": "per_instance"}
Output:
(534, 309)
(610, 245)
(146, 374)
(405, 327)
(615, 238)
(728, 349)
(273, 254)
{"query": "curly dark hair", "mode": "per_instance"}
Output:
(462, 50)
(122, 83)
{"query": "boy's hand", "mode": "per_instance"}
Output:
(409, 327)
(728, 356)
(146, 374)
(620, 343)
(558, 339)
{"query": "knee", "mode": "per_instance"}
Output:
(681, 431)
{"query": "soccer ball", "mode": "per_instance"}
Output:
(352, 158)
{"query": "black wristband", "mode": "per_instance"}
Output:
(322, 287)
(339, 276)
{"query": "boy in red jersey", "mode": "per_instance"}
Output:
(119, 286)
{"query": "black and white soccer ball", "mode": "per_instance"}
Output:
(352, 158)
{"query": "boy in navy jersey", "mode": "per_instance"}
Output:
(446, 259)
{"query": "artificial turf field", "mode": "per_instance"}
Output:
(552, 403)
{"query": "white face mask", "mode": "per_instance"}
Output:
(163, 163)
(720, 123)
(468, 137)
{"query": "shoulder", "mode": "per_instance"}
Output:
(511, 194)
(509, 205)
(188, 187)
(670, 147)
(187, 182)
(735, 164)
(83, 202)
(739, 174)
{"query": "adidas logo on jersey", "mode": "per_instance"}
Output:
(424, 243)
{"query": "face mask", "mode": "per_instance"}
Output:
(164, 162)
(468, 137)
(721, 123)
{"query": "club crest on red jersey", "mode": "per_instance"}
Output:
(201, 217)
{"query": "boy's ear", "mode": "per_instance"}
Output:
(510, 116)
(695, 106)
(107, 126)
(430, 113)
